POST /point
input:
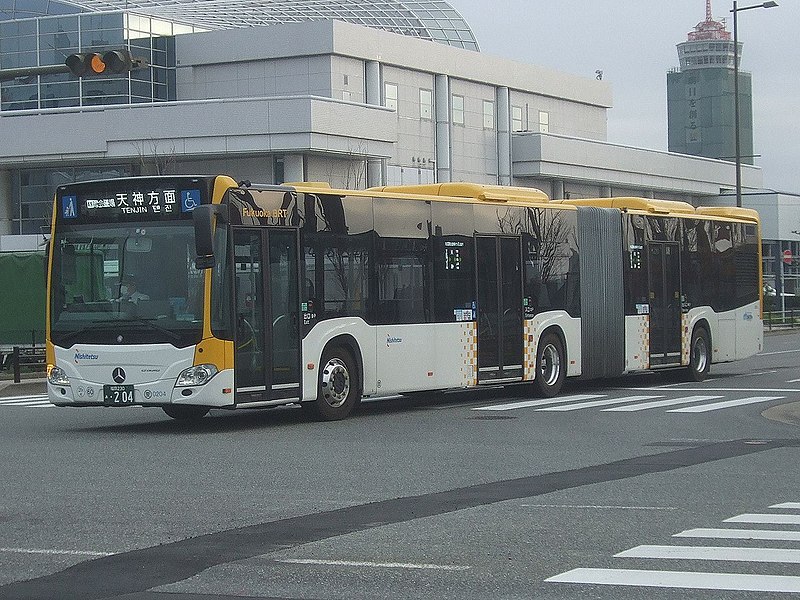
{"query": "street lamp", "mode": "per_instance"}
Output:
(735, 11)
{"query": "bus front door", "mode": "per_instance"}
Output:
(267, 339)
(664, 276)
(500, 326)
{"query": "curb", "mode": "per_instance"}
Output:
(785, 413)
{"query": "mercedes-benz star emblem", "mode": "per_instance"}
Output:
(118, 375)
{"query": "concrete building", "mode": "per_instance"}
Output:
(310, 100)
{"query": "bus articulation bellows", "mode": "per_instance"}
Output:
(257, 296)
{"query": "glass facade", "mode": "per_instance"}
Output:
(434, 20)
(34, 189)
(49, 40)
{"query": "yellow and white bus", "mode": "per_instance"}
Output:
(256, 296)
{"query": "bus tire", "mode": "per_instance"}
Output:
(699, 355)
(551, 365)
(338, 386)
(185, 413)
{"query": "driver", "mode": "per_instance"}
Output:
(129, 293)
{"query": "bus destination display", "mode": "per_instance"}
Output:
(147, 204)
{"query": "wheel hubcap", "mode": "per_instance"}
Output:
(335, 383)
(700, 355)
(550, 365)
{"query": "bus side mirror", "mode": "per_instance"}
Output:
(203, 217)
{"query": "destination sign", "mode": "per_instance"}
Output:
(149, 200)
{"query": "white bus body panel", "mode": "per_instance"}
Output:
(398, 358)
(152, 369)
(569, 326)
(316, 339)
(735, 334)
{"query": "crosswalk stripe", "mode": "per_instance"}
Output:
(660, 403)
(544, 402)
(765, 519)
(682, 579)
(725, 404)
(17, 399)
(740, 534)
(795, 505)
(29, 402)
(766, 555)
(594, 403)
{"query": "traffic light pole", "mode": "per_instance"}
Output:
(6, 74)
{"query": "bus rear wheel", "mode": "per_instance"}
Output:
(338, 387)
(186, 413)
(699, 355)
(551, 368)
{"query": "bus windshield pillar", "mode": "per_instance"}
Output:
(203, 217)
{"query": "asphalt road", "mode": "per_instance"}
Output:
(605, 492)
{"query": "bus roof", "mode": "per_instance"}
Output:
(453, 192)
(666, 207)
(474, 191)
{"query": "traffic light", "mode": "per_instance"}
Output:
(87, 64)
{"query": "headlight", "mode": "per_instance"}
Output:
(57, 375)
(197, 375)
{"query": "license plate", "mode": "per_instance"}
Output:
(116, 395)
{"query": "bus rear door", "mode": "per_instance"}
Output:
(500, 327)
(664, 275)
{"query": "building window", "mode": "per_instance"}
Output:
(390, 95)
(458, 109)
(516, 118)
(278, 170)
(426, 104)
(488, 114)
(544, 121)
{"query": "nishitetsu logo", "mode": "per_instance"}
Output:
(390, 339)
(84, 356)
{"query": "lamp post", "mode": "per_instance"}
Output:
(735, 11)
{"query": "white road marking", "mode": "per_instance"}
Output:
(793, 505)
(594, 403)
(355, 563)
(54, 552)
(754, 374)
(778, 352)
(740, 534)
(710, 389)
(725, 404)
(766, 555)
(793, 381)
(682, 579)
(40, 403)
(544, 402)
(660, 403)
(765, 519)
(599, 506)
(34, 397)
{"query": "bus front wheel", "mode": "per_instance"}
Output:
(551, 366)
(186, 413)
(699, 355)
(338, 388)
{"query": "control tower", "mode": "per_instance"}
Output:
(700, 95)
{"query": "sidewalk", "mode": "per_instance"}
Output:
(26, 387)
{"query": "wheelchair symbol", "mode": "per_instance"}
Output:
(190, 199)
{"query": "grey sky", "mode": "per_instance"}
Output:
(633, 43)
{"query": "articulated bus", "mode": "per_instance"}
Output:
(251, 296)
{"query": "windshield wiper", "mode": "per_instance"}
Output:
(99, 325)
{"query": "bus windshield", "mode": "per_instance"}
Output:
(131, 283)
